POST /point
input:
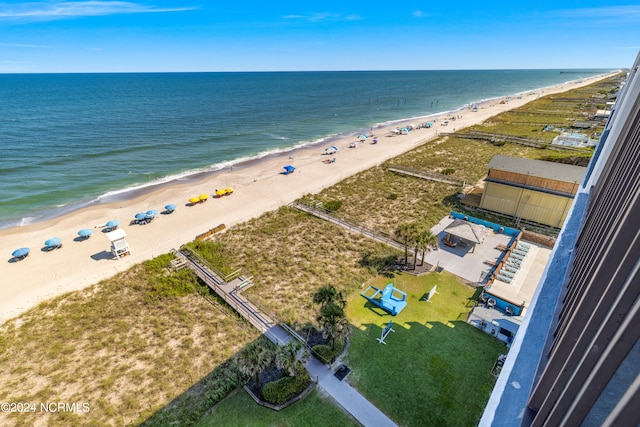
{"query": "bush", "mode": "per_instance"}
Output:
(325, 353)
(284, 389)
(393, 196)
(448, 171)
(162, 284)
(333, 205)
(178, 284)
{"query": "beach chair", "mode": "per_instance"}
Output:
(507, 273)
(505, 279)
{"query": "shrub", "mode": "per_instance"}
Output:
(325, 353)
(284, 389)
(448, 171)
(393, 196)
(333, 205)
(178, 284)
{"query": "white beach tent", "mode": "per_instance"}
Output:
(119, 246)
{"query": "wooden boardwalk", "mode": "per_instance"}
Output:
(349, 225)
(431, 176)
(345, 395)
(230, 293)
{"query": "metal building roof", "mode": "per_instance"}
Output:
(539, 168)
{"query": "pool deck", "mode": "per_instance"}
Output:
(466, 262)
(469, 263)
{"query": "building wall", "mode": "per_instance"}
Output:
(576, 358)
(527, 204)
(534, 181)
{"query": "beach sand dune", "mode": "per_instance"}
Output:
(258, 188)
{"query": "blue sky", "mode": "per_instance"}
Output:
(228, 35)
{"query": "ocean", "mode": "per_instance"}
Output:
(69, 140)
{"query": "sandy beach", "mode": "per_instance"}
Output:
(259, 187)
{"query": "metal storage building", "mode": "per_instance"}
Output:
(532, 190)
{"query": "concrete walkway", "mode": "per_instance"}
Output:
(352, 401)
(348, 397)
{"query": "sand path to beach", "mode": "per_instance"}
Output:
(258, 188)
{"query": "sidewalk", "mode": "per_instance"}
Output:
(348, 397)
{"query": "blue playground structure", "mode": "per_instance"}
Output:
(389, 299)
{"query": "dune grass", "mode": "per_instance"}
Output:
(434, 369)
(292, 254)
(315, 410)
(126, 346)
(143, 341)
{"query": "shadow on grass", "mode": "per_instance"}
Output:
(190, 406)
(447, 365)
(376, 309)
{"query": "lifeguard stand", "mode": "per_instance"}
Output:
(119, 246)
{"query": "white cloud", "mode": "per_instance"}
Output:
(420, 14)
(323, 17)
(55, 10)
(26, 45)
(629, 13)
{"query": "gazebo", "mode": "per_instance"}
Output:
(461, 232)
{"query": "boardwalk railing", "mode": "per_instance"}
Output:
(431, 176)
(529, 142)
(313, 208)
(227, 293)
(226, 278)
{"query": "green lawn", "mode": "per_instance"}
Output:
(434, 369)
(239, 409)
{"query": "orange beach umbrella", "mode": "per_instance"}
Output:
(220, 193)
(228, 190)
(203, 197)
(194, 200)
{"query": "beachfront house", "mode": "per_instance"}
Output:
(532, 190)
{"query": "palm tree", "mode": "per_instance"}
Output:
(253, 359)
(405, 233)
(329, 294)
(333, 322)
(425, 241)
(288, 357)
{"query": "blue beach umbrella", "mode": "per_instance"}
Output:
(85, 232)
(20, 253)
(140, 215)
(170, 208)
(152, 212)
(113, 223)
(334, 148)
(53, 242)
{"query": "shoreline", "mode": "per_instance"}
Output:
(259, 187)
(138, 189)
